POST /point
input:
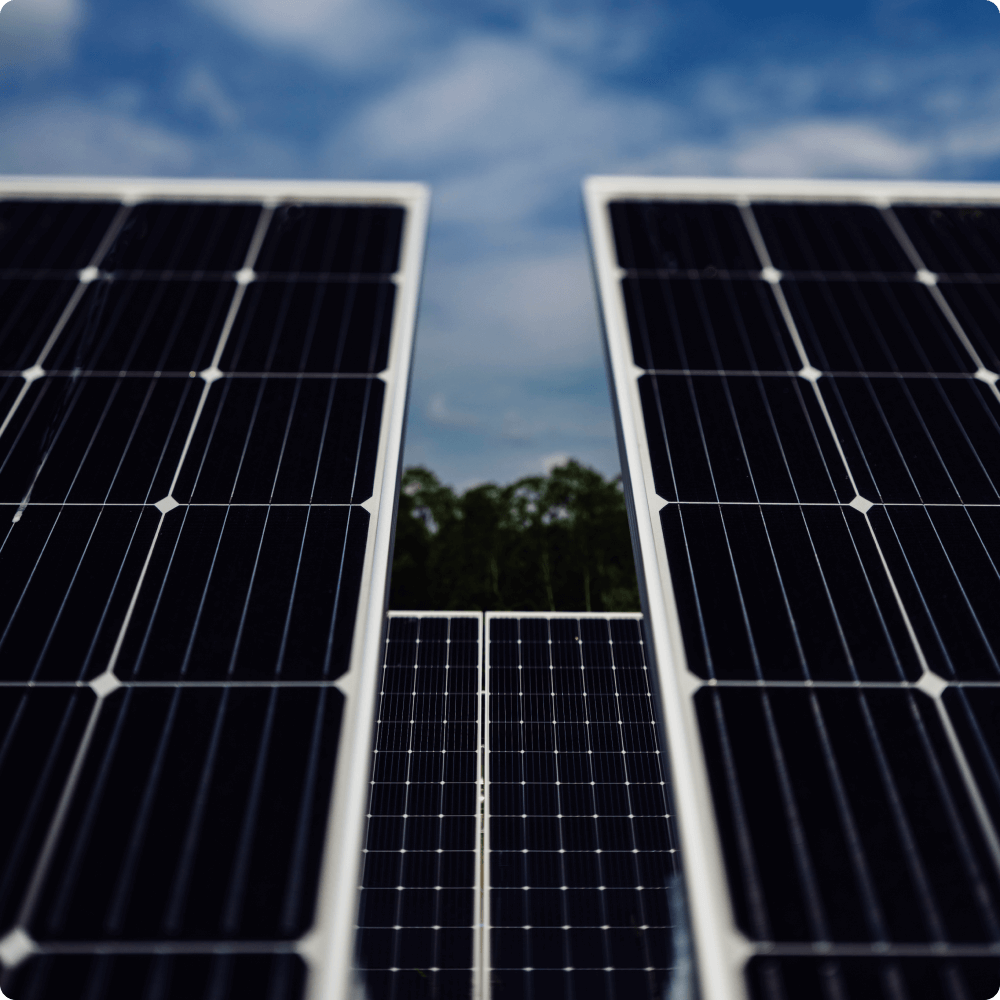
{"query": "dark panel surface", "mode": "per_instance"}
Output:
(249, 593)
(52, 235)
(957, 238)
(335, 240)
(681, 236)
(160, 977)
(944, 561)
(29, 310)
(98, 440)
(416, 918)
(874, 326)
(784, 593)
(816, 237)
(200, 814)
(144, 325)
(285, 441)
(581, 843)
(312, 326)
(183, 236)
(877, 840)
(39, 734)
(67, 575)
(977, 307)
(711, 324)
(748, 439)
(874, 978)
(918, 440)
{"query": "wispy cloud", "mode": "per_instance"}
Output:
(39, 33)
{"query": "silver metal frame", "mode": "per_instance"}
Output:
(328, 947)
(720, 948)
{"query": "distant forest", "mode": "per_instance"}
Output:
(545, 543)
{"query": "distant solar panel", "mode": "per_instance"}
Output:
(421, 888)
(805, 383)
(581, 846)
(203, 388)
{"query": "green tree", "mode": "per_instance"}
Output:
(545, 543)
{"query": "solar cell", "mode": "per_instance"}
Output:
(580, 840)
(193, 575)
(819, 562)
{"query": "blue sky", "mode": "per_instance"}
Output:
(502, 106)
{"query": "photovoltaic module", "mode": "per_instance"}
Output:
(203, 394)
(805, 385)
(519, 843)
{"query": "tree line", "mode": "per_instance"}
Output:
(544, 543)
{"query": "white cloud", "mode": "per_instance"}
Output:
(502, 125)
(355, 35)
(834, 148)
(37, 33)
(201, 91)
(71, 136)
(438, 412)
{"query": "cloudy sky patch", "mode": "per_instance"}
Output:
(502, 106)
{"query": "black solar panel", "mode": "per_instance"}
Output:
(581, 843)
(192, 578)
(420, 887)
(812, 455)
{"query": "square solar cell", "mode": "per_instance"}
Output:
(312, 326)
(311, 441)
(307, 239)
(679, 323)
(681, 236)
(67, 576)
(747, 439)
(977, 308)
(817, 237)
(219, 976)
(52, 235)
(168, 836)
(183, 236)
(98, 440)
(144, 325)
(880, 842)
(248, 593)
(29, 310)
(783, 593)
(958, 239)
(874, 326)
(918, 440)
(944, 561)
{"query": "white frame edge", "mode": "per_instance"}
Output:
(720, 950)
(738, 190)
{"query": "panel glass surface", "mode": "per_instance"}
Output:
(418, 890)
(582, 848)
(823, 440)
(181, 560)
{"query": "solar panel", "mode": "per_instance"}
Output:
(203, 388)
(582, 895)
(421, 887)
(805, 384)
